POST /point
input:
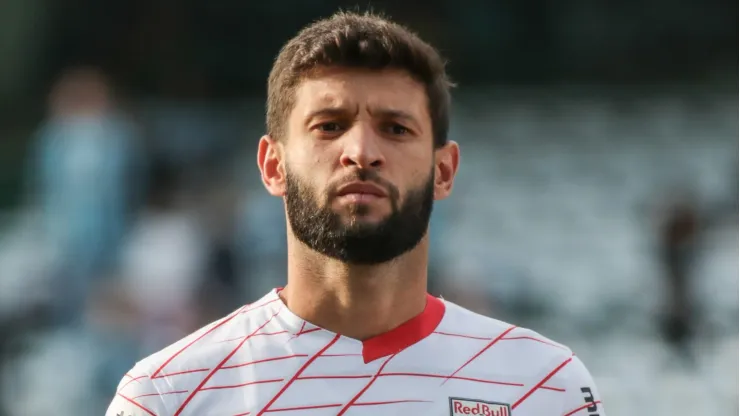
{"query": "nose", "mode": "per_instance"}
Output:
(362, 148)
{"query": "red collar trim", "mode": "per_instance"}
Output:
(407, 334)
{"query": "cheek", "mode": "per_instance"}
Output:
(313, 157)
(311, 172)
(414, 180)
(414, 166)
(303, 187)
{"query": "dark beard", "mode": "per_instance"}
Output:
(323, 230)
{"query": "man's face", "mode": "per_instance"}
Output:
(359, 165)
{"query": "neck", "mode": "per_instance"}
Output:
(356, 301)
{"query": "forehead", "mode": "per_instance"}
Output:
(339, 88)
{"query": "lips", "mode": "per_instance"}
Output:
(361, 188)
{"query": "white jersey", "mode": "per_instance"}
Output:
(262, 359)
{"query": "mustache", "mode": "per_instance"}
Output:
(363, 175)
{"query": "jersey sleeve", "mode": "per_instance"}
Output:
(137, 395)
(581, 396)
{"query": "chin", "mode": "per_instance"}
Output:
(363, 221)
(364, 213)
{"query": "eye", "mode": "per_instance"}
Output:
(397, 129)
(330, 127)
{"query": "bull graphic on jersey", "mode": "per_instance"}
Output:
(468, 407)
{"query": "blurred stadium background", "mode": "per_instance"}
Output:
(596, 203)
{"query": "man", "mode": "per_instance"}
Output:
(81, 168)
(357, 119)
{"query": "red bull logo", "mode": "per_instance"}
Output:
(459, 407)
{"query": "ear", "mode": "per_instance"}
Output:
(272, 165)
(446, 161)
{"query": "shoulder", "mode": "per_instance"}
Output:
(523, 354)
(476, 325)
(195, 348)
(199, 348)
(522, 348)
(153, 385)
(161, 381)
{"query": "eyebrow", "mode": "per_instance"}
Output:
(328, 112)
(395, 114)
(385, 113)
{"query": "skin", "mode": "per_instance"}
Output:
(344, 120)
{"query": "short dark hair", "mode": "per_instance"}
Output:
(354, 40)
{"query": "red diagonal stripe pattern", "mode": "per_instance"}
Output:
(584, 407)
(130, 381)
(367, 386)
(395, 374)
(541, 383)
(560, 389)
(179, 373)
(358, 404)
(542, 341)
(211, 329)
(266, 360)
(160, 394)
(462, 336)
(316, 406)
(249, 383)
(478, 354)
(263, 334)
(136, 404)
(475, 380)
(297, 374)
(221, 364)
(258, 306)
(391, 402)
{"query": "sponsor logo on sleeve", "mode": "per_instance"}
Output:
(588, 397)
(460, 406)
